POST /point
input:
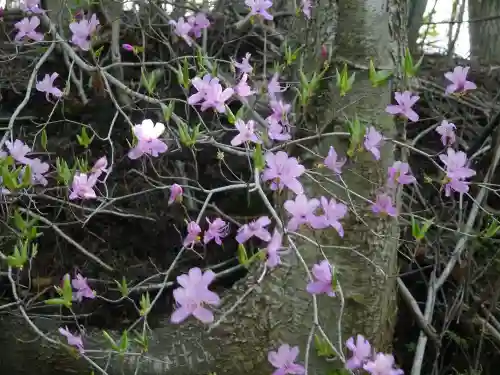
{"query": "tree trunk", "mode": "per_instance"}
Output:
(279, 310)
(415, 17)
(484, 41)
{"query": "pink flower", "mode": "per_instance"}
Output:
(216, 98)
(306, 8)
(302, 211)
(278, 131)
(83, 186)
(100, 167)
(193, 294)
(332, 213)
(255, 228)
(182, 29)
(383, 364)
(323, 284)
(242, 88)
(279, 126)
(273, 86)
(38, 170)
(332, 163)
(284, 360)
(361, 352)
(399, 173)
(373, 140)
(217, 230)
(73, 340)
(280, 110)
(260, 7)
(148, 143)
(459, 82)
(246, 133)
(202, 86)
(128, 47)
(82, 31)
(447, 132)
(193, 235)
(283, 171)
(404, 107)
(31, 6)
(27, 28)
(82, 288)
(384, 206)
(244, 66)
(46, 85)
(273, 250)
(175, 194)
(198, 23)
(18, 150)
(457, 171)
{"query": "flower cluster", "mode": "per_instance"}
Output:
(190, 28)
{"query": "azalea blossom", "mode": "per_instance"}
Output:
(18, 150)
(46, 85)
(361, 352)
(202, 86)
(255, 228)
(284, 360)
(372, 143)
(306, 8)
(216, 97)
(447, 132)
(246, 133)
(459, 82)
(27, 29)
(259, 8)
(147, 134)
(83, 30)
(31, 6)
(332, 213)
(332, 162)
(38, 170)
(302, 211)
(283, 171)
(383, 206)
(242, 88)
(83, 186)
(182, 29)
(273, 87)
(192, 296)
(217, 230)
(323, 279)
(100, 166)
(193, 234)
(404, 108)
(198, 23)
(82, 288)
(73, 340)
(277, 130)
(382, 364)
(457, 171)
(273, 250)
(175, 194)
(399, 173)
(244, 66)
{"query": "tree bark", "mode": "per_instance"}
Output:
(416, 10)
(484, 41)
(278, 309)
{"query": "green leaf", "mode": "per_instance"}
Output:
(145, 304)
(112, 342)
(258, 158)
(43, 139)
(8, 180)
(242, 255)
(55, 301)
(230, 115)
